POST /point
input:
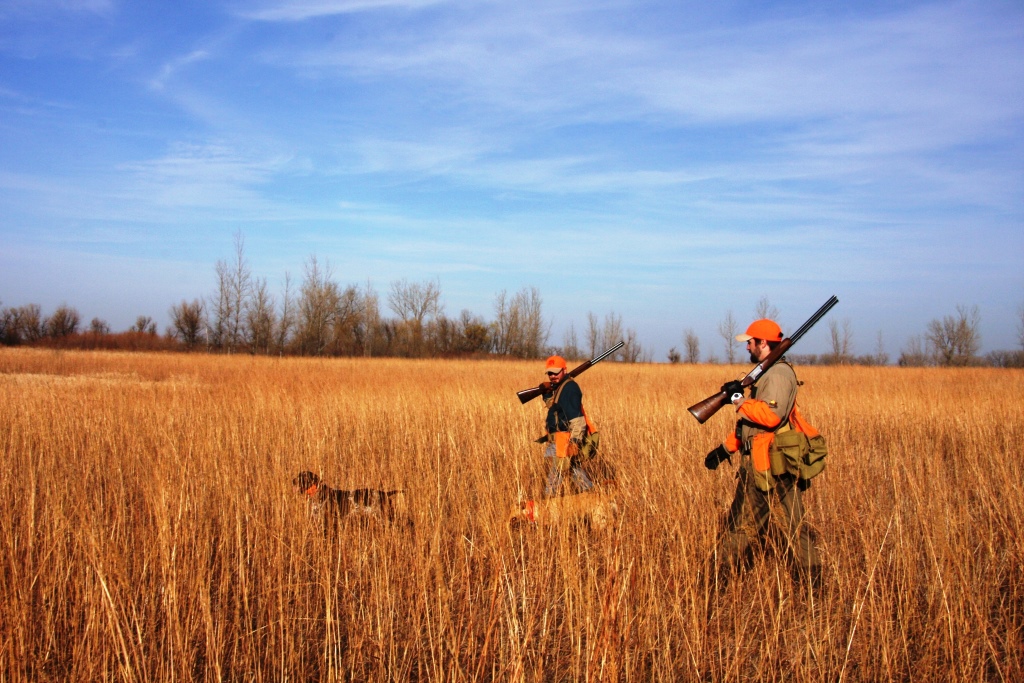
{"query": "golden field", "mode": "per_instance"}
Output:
(150, 533)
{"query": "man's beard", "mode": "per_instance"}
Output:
(754, 358)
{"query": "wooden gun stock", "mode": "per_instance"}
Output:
(703, 410)
(708, 407)
(533, 392)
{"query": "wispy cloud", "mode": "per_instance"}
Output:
(40, 8)
(938, 67)
(300, 10)
(172, 67)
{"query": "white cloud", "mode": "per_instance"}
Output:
(39, 8)
(300, 10)
(172, 67)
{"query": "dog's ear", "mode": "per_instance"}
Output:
(305, 480)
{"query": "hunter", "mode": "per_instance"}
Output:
(566, 427)
(762, 415)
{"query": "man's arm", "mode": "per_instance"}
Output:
(776, 393)
(570, 404)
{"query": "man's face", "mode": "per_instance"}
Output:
(555, 374)
(758, 349)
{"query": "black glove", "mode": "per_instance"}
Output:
(715, 457)
(731, 389)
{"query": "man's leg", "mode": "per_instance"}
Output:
(554, 474)
(580, 478)
(801, 545)
(743, 521)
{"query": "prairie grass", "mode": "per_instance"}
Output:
(149, 531)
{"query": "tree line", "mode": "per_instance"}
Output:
(951, 341)
(321, 317)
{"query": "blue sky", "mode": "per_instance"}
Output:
(666, 161)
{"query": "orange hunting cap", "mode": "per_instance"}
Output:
(766, 329)
(555, 363)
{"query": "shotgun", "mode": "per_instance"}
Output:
(712, 404)
(532, 393)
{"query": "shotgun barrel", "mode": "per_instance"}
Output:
(529, 394)
(703, 410)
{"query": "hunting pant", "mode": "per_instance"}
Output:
(555, 475)
(752, 510)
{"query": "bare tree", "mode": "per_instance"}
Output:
(318, 305)
(506, 324)
(535, 331)
(234, 281)
(414, 303)
(571, 344)
(601, 336)
(593, 333)
(144, 324)
(474, 332)
(914, 354)
(764, 309)
(633, 351)
(727, 331)
(28, 323)
(99, 327)
(187, 322)
(956, 339)
(1020, 326)
(219, 307)
(881, 357)
(286, 321)
(371, 318)
(519, 329)
(13, 323)
(259, 319)
(347, 321)
(841, 336)
(239, 288)
(612, 334)
(691, 342)
(63, 323)
(674, 356)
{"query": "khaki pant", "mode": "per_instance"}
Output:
(751, 512)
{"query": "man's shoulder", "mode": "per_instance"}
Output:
(782, 370)
(569, 387)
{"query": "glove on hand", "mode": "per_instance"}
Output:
(733, 390)
(713, 459)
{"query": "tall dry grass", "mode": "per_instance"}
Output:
(150, 533)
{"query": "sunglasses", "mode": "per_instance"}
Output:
(554, 374)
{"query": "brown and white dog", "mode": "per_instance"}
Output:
(596, 508)
(337, 504)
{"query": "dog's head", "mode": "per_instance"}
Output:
(305, 481)
(522, 513)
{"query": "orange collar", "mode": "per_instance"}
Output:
(311, 491)
(530, 511)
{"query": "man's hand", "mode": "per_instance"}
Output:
(733, 390)
(713, 459)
